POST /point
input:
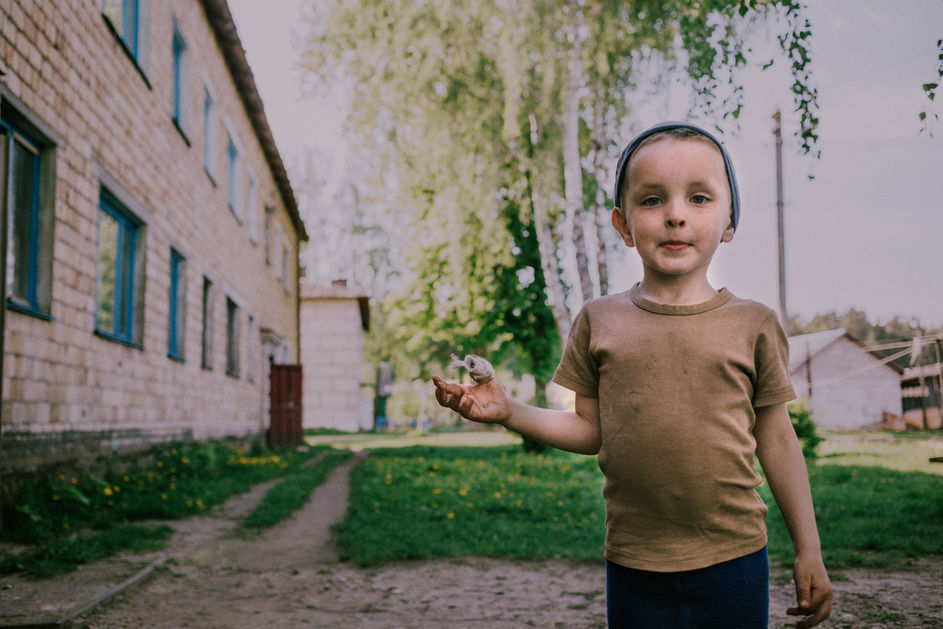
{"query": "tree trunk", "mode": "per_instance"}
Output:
(548, 254)
(601, 211)
(572, 169)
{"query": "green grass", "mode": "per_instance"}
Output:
(293, 492)
(63, 522)
(499, 501)
(420, 502)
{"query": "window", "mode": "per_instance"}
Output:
(267, 237)
(253, 211)
(26, 179)
(277, 245)
(124, 18)
(176, 306)
(207, 341)
(286, 268)
(232, 338)
(250, 349)
(179, 48)
(233, 189)
(209, 133)
(117, 289)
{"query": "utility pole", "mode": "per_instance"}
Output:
(777, 133)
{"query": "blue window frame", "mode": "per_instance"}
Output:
(115, 286)
(123, 16)
(175, 325)
(179, 48)
(23, 216)
(233, 183)
(208, 122)
(232, 338)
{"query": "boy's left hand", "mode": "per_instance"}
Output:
(813, 592)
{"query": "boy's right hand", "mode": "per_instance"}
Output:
(486, 403)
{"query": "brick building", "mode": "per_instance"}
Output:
(152, 253)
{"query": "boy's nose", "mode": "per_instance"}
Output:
(674, 215)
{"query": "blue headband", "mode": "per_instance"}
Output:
(668, 126)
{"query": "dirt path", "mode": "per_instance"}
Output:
(290, 577)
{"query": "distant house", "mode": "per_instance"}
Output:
(920, 386)
(333, 320)
(152, 253)
(848, 387)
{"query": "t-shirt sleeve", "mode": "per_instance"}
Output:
(578, 370)
(771, 355)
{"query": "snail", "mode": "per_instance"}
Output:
(478, 368)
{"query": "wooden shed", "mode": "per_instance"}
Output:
(333, 320)
(848, 386)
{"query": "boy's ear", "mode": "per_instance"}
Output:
(622, 226)
(727, 236)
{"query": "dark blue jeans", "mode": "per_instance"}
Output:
(734, 594)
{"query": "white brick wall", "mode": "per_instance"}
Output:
(64, 65)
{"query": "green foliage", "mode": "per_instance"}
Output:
(66, 521)
(805, 428)
(433, 502)
(423, 502)
(868, 515)
(929, 90)
(467, 120)
(293, 492)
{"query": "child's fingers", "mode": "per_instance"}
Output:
(448, 394)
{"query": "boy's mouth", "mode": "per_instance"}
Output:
(675, 245)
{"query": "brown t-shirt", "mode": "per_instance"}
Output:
(677, 388)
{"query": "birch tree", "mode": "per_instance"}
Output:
(482, 103)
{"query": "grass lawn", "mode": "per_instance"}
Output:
(878, 501)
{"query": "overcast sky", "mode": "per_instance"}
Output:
(866, 232)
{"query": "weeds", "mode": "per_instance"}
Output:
(66, 521)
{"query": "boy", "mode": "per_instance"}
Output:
(677, 386)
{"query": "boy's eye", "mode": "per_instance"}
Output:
(699, 199)
(650, 201)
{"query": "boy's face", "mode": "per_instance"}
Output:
(676, 205)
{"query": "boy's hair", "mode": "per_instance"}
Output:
(678, 130)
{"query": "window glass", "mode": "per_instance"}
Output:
(208, 124)
(176, 306)
(117, 236)
(123, 15)
(26, 162)
(179, 48)
(24, 221)
(207, 334)
(232, 338)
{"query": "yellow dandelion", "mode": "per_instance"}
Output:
(126, 478)
(117, 489)
(160, 464)
(463, 491)
(437, 490)
(451, 515)
(163, 496)
(184, 460)
(108, 491)
(61, 476)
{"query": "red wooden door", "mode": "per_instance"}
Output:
(285, 404)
